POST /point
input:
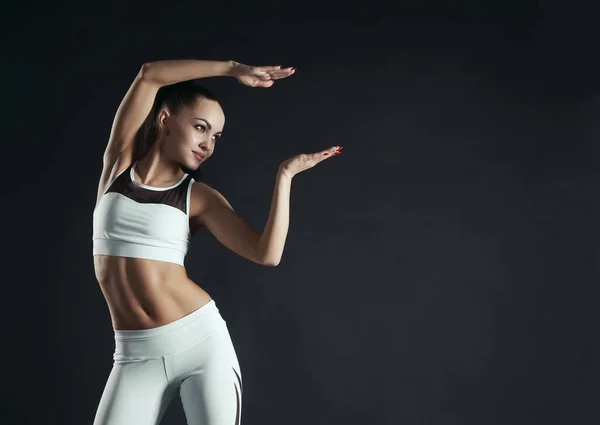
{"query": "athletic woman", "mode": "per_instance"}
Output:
(169, 334)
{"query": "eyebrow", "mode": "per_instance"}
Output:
(207, 123)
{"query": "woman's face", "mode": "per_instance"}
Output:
(193, 131)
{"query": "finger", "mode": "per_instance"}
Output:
(286, 71)
(332, 151)
(279, 75)
(266, 68)
(280, 69)
(265, 83)
(275, 75)
(257, 83)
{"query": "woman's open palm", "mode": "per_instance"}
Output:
(260, 76)
(304, 161)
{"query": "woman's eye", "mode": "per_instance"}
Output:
(201, 127)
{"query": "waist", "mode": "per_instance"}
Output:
(168, 338)
(136, 250)
(144, 293)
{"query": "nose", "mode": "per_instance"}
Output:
(205, 147)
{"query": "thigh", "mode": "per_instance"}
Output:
(136, 393)
(214, 395)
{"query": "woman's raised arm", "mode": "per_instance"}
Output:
(138, 100)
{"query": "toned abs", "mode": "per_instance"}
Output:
(143, 294)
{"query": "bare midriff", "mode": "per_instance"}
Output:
(144, 294)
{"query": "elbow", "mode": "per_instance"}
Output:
(266, 257)
(271, 262)
(145, 73)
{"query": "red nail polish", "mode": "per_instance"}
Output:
(326, 153)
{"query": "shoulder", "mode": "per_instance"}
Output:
(204, 197)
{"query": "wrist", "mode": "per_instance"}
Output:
(284, 173)
(231, 68)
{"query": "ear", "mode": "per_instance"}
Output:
(162, 120)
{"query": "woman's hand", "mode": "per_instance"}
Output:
(259, 76)
(304, 161)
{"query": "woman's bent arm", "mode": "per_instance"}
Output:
(169, 72)
(235, 233)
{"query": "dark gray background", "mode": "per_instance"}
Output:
(442, 270)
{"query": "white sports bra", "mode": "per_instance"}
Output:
(132, 219)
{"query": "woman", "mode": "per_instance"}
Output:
(168, 332)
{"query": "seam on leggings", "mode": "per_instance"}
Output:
(182, 378)
(164, 362)
(238, 397)
(128, 359)
(239, 378)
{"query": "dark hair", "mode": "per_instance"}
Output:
(173, 96)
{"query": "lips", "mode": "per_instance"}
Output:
(199, 156)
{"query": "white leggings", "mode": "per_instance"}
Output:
(194, 354)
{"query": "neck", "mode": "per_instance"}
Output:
(155, 169)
